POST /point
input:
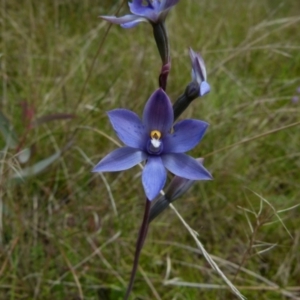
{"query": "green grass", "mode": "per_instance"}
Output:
(54, 223)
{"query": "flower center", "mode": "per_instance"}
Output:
(155, 145)
(155, 134)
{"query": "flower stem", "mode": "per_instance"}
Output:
(163, 76)
(139, 245)
(162, 41)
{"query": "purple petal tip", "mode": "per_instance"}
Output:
(204, 88)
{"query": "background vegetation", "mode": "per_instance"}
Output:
(67, 233)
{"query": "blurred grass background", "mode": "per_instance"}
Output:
(67, 233)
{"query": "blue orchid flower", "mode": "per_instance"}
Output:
(153, 140)
(154, 11)
(199, 72)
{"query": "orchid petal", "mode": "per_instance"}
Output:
(179, 186)
(154, 11)
(136, 3)
(154, 177)
(134, 23)
(120, 159)
(128, 127)
(204, 88)
(198, 67)
(187, 134)
(198, 71)
(185, 166)
(137, 8)
(155, 5)
(158, 113)
(127, 21)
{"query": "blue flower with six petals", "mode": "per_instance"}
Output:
(153, 140)
(154, 11)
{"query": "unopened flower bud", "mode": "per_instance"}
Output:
(192, 91)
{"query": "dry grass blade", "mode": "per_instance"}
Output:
(72, 270)
(206, 255)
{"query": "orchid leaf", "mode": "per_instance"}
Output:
(38, 167)
(11, 139)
